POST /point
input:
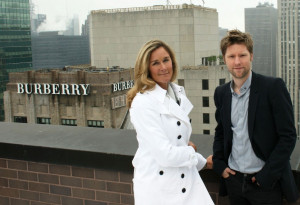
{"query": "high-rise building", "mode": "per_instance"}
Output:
(85, 28)
(288, 50)
(73, 27)
(116, 35)
(36, 21)
(261, 23)
(15, 41)
(52, 50)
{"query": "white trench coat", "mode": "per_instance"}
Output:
(165, 168)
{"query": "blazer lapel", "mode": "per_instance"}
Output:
(253, 98)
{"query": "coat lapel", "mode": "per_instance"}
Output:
(169, 106)
(179, 111)
(253, 99)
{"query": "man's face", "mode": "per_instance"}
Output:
(238, 60)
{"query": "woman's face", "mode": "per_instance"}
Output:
(161, 70)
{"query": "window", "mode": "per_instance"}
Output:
(41, 120)
(181, 82)
(204, 84)
(206, 132)
(69, 122)
(205, 101)
(95, 123)
(20, 119)
(222, 81)
(206, 118)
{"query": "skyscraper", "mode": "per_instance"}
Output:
(52, 50)
(261, 23)
(288, 47)
(15, 41)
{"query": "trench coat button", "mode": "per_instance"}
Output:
(179, 137)
(183, 190)
(178, 123)
(161, 172)
(182, 176)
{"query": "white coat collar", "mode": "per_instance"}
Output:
(159, 93)
(181, 111)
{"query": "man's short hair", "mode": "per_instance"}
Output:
(236, 37)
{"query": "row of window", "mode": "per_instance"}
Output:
(16, 11)
(15, 4)
(69, 122)
(205, 83)
(91, 123)
(15, 21)
(19, 1)
(16, 33)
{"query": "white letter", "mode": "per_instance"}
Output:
(85, 91)
(123, 85)
(55, 88)
(128, 84)
(47, 89)
(119, 86)
(75, 87)
(20, 88)
(37, 87)
(115, 88)
(27, 89)
(65, 87)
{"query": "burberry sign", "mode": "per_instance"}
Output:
(54, 89)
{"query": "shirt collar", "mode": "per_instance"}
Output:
(158, 93)
(245, 86)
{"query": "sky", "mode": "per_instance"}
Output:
(59, 12)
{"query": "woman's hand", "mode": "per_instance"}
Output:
(193, 145)
(209, 162)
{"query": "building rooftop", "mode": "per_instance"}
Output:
(152, 8)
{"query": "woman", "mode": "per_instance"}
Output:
(165, 167)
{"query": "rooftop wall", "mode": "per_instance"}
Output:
(62, 165)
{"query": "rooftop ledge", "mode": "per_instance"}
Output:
(84, 146)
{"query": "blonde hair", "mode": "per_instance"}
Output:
(142, 78)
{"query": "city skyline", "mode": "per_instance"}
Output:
(231, 14)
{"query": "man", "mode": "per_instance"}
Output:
(255, 133)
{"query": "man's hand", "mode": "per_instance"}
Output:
(253, 179)
(193, 145)
(209, 162)
(226, 173)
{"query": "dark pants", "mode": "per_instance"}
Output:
(242, 191)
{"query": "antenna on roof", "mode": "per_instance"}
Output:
(203, 2)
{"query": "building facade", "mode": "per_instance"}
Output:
(200, 83)
(288, 50)
(74, 97)
(15, 41)
(261, 23)
(52, 50)
(116, 35)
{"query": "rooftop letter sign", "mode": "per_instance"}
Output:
(54, 89)
(122, 85)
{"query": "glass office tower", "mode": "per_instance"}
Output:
(15, 41)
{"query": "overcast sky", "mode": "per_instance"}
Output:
(231, 12)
